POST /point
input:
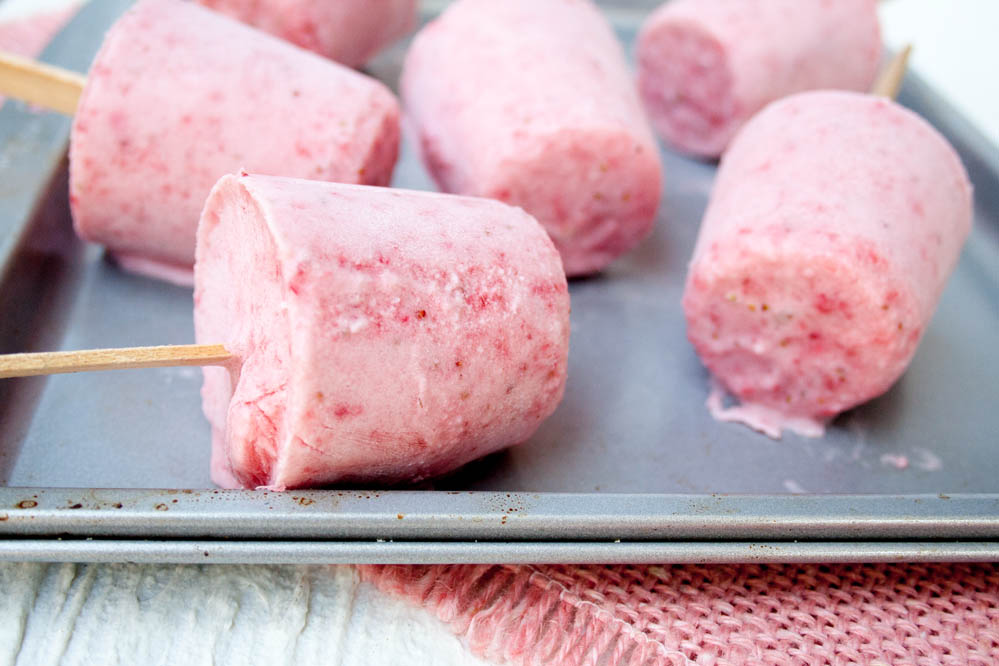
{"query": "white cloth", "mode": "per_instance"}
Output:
(202, 615)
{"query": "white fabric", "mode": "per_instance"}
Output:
(126, 614)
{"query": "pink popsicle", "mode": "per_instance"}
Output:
(388, 334)
(834, 223)
(531, 103)
(348, 31)
(706, 66)
(178, 96)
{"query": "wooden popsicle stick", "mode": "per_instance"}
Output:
(889, 81)
(37, 83)
(51, 363)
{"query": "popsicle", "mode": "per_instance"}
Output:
(531, 103)
(706, 66)
(348, 31)
(834, 223)
(389, 334)
(178, 96)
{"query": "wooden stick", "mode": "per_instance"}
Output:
(37, 83)
(890, 79)
(51, 363)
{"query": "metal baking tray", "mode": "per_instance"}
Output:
(631, 468)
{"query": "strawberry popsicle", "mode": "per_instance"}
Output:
(178, 96)
(531, 103)
(388, 335)
(835, 220)
(706, 66)
(348, 31)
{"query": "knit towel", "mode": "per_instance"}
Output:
(726, 615)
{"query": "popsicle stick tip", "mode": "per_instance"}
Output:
(889, 80)
(34, 82)
(51, 363)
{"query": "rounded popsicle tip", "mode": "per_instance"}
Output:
(706, 66)
(835, 221)
(685, 83)
(595, 190)
(801, 324)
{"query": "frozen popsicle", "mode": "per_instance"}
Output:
(706, 66)
(178, 96)
(531, 103)
(348, 31)
(388, 334)
(834, 222)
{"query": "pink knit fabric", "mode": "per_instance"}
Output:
(783, 615)
(29, 36)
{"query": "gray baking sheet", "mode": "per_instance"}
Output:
(631, 454)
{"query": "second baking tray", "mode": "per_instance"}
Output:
(631, 467)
